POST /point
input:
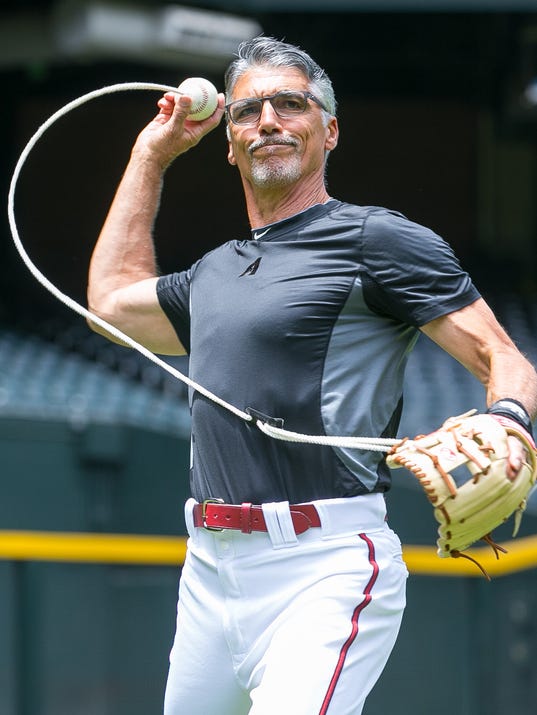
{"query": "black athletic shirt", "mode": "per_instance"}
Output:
(310, 320)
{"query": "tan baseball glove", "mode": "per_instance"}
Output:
(483, 497)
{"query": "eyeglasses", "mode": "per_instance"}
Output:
(287, 104)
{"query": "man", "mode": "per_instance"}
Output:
(294, 609)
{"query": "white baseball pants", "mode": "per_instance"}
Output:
(278, 624)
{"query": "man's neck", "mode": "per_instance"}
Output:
(266, 207)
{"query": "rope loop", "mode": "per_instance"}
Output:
(365, 443)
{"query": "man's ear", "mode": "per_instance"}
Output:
(332, 134)
(231, 155)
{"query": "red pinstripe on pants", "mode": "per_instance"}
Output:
(354, 625)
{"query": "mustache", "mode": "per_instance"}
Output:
(271, 141)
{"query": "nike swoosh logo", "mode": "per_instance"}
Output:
(258, 234)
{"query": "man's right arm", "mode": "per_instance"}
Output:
(123, 270)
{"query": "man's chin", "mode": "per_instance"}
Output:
(272, 174)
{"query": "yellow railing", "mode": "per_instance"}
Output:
(170, 550)
(92, 548)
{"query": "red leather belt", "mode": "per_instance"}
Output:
(216, 516)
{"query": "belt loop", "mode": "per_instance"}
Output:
(279, 525)
(189, 516)
(246, 518)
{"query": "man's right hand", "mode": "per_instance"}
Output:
(170, 133)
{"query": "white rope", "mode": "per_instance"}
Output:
(62, 297)
(373, 444)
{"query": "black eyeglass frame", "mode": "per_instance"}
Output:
(268, 98)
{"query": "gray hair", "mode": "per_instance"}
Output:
(274, 53)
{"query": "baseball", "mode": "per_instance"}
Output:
(204, 97)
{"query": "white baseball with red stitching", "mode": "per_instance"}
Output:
(204, 97)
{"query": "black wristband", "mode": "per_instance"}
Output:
(508, 407)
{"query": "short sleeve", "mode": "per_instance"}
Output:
(409, 272)
(173, 292)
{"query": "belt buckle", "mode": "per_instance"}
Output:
(204, 514)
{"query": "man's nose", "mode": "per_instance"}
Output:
(269, 121)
